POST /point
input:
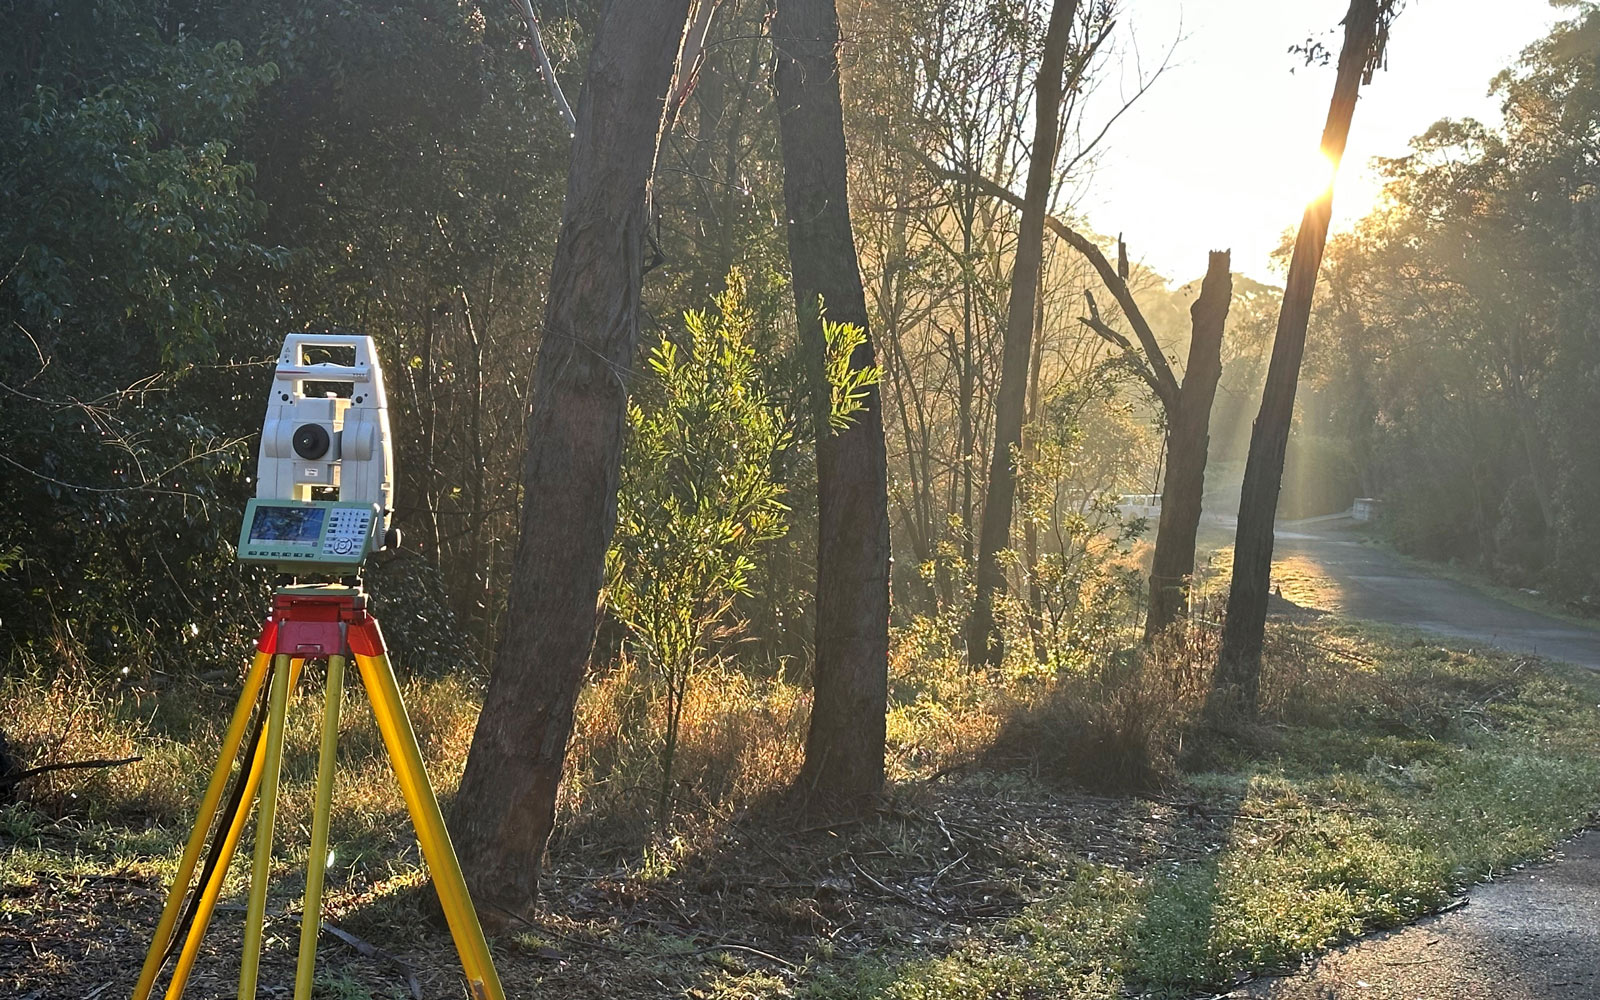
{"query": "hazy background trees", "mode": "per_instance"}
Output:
(1458, 368)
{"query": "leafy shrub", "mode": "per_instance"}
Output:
(698, 498)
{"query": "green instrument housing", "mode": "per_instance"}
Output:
(329, 537)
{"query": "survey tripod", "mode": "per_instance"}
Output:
(315, 622)
(324, 493)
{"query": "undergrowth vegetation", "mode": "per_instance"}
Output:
(1386, 775)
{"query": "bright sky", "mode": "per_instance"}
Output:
(1221, 151)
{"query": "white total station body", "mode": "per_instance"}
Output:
(351, 454)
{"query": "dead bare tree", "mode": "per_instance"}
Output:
(1186, 405)
(1188, 439)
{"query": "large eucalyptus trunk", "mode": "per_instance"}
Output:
(1236, 685)
(983, 644)
(845, 745)
(506, 806)
(1188, 440)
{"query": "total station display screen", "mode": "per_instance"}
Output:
(287, 524)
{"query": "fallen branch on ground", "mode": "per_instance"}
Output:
(16, 778)
(364, 948)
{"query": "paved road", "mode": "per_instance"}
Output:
(1377, 585)
(1529, 936)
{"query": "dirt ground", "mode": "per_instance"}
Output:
(942, 863)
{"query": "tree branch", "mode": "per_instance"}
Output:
(1135, 360)
(692, 55)
(15, 778)
(545, 68)
(1163, 381)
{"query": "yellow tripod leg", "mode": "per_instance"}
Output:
(231, 740)
(256, 908)
(230, 843)
(311, 909)
(401, 741)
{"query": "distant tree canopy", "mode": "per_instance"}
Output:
(1460, 360)
(181, 185)
(131, 243)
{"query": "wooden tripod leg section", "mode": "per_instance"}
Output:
(401, 741)
(230, 843)
(231, 741)
(311, 909)
(256, 908)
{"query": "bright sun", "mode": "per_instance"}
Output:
(1300, 180)
(1313, 178)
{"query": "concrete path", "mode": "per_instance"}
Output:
(1374, 584)
(1529, 936)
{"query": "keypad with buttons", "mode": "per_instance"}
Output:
(347, 531)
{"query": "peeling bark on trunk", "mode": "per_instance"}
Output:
(506, 806)
(1236, 685)
(844, 748)
(983, 644)
(1188, 439)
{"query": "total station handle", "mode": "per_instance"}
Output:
(293, 369)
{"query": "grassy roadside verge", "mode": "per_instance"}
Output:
(1392, 774)
(1363, 819)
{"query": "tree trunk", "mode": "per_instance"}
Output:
(9, 765)
(983, 645)
(1236, 686)
(506, 806)
(1533, 441)
(966, 432)
(1030, 527)
(1188, 439)
(430, 430)
(845, 745)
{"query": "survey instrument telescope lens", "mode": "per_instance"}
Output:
(310, 441)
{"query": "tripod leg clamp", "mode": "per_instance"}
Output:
(364, 637)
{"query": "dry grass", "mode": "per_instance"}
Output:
(997, 837)
(1004, 878)
(1110, 725)
(1295, 578)
(1115, 726)
(67, 719)
(739, 740)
